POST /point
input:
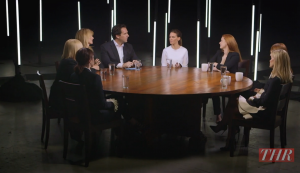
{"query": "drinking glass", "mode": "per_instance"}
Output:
(138, 64)
(111, 68)
(210, 66)
(125, 81)
(169, 63)
(223, 70)
(239, 76)
(224, 82)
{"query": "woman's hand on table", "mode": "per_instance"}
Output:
(128, 64)
(178, 65)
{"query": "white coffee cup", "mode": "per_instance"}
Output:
(239, 76)
(204, 66)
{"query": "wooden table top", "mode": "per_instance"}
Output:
(159, 80)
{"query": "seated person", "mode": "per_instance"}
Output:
(230, 56)
(118, 51)
(102, 110)
(86, 36)
(281, 74)
(65, 69)
(176, 52)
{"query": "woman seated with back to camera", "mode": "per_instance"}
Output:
(102, 110)
(65, 69)
(230, 56)
(176, 52)
(281, 74)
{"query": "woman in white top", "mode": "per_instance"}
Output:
(175, 52)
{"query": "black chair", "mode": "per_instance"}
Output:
(56, 68)
(278, 118)
(48, 113)
(78, 118)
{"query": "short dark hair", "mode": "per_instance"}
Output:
(83, 57)
(116, 30)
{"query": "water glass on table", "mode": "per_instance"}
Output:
(111, 68)
(138, 64)
(125, 81)
(169, 63)
(224, 81)
(210, 67)
(223, 70)
(103, 74)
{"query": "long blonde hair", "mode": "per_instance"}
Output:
(70, 48)
(282, 65)
(83, 35)
(232, 44)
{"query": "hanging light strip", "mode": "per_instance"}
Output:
(256, 56)
(18, 33)
(154, 42)
(198, 44)
(252, 29)
(79, 22)
(7, 19)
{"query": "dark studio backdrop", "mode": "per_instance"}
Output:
(280, 23)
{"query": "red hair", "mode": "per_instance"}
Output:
(232, 44)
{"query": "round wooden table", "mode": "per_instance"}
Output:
(175, 93)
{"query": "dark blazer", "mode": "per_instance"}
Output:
(232, 60)
(109, 53)
(65, 69)
(267, 98)
(94, 89)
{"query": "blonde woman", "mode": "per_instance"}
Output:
(86, 36)
(281, 74)
(65, 69)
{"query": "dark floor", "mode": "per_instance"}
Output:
(22, 151)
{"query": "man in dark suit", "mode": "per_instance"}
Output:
(118, 51)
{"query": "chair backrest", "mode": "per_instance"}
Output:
(246, 65)
(45, 100)
(76, 107)
(56, 65)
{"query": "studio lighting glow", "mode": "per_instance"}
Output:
(148, 16)
(256, 55)
(209, 18)
(112, 20)
(252, 29)
(7, 19)
(41, 29)
(79, 20)
(260, 31)
(18, 33)
(206, 13)
(107, 1)
(169, 10)
(198, 44)
(166, 29)
(154, 42)
(115, 12)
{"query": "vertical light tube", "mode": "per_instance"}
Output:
(209, 18)
(79, 20)
(206, 13)
(252, 29)
(112, 20)
(256, 55)
(115, 12)
(18, 32)
(41, 22)
(7, 19)
(198, 44)
(166, 29)
(260, 31)
(169, 10)
(148, 16)
(107, 1)
(154, 42)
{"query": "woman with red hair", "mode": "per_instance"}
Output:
(230, 56)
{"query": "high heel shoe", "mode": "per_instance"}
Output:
(216, 129)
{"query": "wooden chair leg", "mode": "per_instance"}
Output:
(282, 137)
(272, 136)
(47, 132)
(66, 141)
(43, 126)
